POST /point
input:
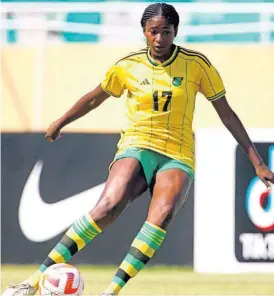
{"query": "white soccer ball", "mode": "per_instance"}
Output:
(61, 279)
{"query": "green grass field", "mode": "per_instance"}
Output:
(160, 281)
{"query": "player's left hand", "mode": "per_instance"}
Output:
(265, 175)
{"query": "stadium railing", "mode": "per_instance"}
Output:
(119, 22)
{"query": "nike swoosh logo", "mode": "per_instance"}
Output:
(40, 221)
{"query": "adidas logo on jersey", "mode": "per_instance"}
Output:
(145, 82)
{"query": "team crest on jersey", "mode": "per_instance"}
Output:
(177, 81)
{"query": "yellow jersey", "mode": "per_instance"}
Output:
(160, 99)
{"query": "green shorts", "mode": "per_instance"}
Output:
(154, 162)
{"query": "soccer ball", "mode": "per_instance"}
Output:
(61, 279)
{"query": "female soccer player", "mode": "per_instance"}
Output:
(156, 149)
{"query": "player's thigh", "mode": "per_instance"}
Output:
(169, 193)
(126, 180)
(124, 184)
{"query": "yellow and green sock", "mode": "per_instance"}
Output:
(82, 232)
(146, 243)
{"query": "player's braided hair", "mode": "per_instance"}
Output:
(161, 9)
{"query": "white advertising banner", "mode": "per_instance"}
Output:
(233, 212)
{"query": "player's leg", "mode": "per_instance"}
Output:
(168, 195)
(119, 191)
(126, 182)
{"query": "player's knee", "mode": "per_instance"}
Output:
(162, 214)
(112, 201)
(110, 206)
(107, 207)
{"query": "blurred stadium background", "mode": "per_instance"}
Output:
(52, 52)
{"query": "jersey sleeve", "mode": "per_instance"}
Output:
(211, 83)
(113, 82)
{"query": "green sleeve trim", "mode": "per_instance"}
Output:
(217, 96)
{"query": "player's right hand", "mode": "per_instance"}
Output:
(53, 132)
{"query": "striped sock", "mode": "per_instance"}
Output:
(82, 232)
(146, 243)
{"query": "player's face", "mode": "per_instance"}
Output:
(159, 34)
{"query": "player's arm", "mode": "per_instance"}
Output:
(211, 85)
(88, 102)
(112, 85)
(236, 128)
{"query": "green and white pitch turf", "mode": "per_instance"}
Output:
(159, 281)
